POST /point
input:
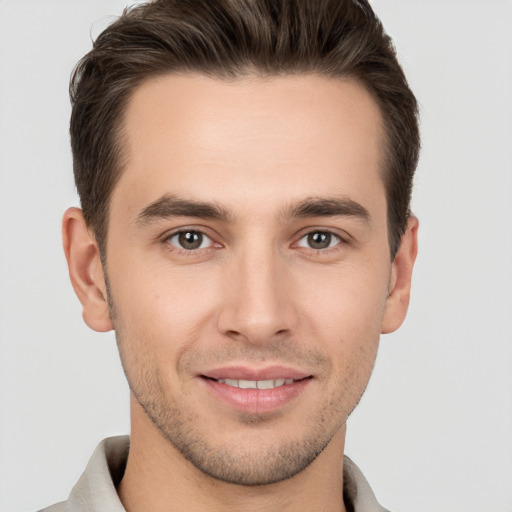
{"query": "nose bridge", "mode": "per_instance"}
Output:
(257, 305)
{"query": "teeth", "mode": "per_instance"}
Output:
(248, 384)
(255, 384)
(269, 384)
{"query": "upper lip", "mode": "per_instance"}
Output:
(248, 373)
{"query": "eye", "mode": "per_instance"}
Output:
(190, 240)
(319, 240)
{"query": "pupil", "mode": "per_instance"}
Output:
(319, 240)
(190, 239)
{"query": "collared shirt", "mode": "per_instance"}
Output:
(95, 491)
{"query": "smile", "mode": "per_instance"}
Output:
(256, 384)
(256, 391)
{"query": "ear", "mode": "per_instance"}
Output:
(400, 279)
(85, 270)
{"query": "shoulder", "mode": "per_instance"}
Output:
(96, 488)
(58, 507)
(357, 491)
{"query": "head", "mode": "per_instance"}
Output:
(245, 170)
(340, 39)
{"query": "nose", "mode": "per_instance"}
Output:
(257, 306)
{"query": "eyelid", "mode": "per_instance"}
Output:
(205, 240)
(343, 238)
(166, 237)
(335, 236)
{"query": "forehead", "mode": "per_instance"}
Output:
(186, 134)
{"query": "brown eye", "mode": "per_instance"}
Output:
(190, 240)
(319, 240)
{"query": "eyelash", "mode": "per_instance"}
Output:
(190, 252)
(337, 239)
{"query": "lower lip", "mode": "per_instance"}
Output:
(256, 401)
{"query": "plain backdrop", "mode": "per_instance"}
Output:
(434, 430)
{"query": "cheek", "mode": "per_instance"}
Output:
(346, 303)
(346, 319)
(163, 308)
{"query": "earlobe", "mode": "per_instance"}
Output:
(85, 270)
(397, 302)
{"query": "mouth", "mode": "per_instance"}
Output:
(256, 391)
(256, 384)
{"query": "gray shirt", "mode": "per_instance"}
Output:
(95, 491)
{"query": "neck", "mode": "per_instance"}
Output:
(159, 478)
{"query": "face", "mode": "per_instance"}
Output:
(248, 266)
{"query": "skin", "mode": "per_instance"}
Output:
(255, 293)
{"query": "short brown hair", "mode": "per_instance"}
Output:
(228, 39)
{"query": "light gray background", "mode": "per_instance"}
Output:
(434, 430)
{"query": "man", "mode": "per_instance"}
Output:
(245, 170)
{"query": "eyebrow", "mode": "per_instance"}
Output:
(170, 206)
(328, 207)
